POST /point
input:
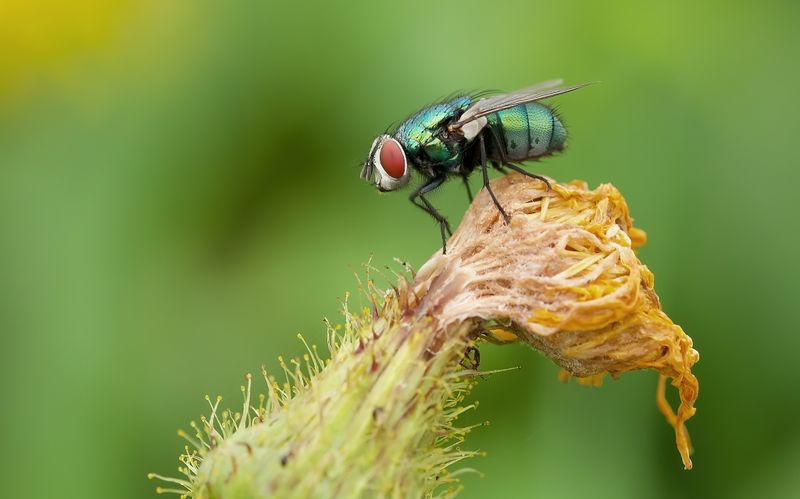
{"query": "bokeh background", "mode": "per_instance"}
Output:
(179, 197)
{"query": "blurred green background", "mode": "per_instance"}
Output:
(179, 196)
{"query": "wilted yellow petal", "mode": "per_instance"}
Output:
(569, 284)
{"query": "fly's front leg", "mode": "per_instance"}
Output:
(438, 216)
(418, 198)
(482, 146)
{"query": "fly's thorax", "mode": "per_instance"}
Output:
(426, 139)
(529, 131)
(432, 151)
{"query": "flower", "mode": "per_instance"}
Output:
(379, 416)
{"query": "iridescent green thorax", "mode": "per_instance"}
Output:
(417, 134)
(529, 131)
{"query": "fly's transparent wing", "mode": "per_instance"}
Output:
(496, 103)
(539, 86)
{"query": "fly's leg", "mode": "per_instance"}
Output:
(500, 149)
(482, 146)
(504, 163)
(497, 166)
(529, 174)
(428, 207)
(466, 185)
(444, 225)
(418, 198)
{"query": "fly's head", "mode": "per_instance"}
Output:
(388, 161)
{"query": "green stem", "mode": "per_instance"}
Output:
(377, 419)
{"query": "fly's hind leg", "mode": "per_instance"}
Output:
(529, 174)
(497, 166)
(484, 169)
(507, 164)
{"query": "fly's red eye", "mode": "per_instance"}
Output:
(393, 160)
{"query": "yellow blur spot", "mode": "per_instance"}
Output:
(44, 40)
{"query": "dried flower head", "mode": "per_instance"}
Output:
(564, 278)
(379, 416)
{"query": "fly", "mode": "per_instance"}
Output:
(454, 137)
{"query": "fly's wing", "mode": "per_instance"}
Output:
(540, 86)
(496, 103)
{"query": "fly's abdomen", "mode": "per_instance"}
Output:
(527, 131)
